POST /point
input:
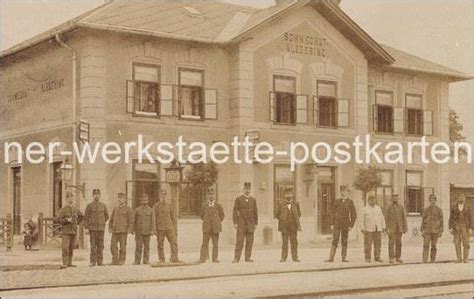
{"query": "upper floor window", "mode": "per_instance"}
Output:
(383, 112)
(327, 103)
(414, 192)
(285, 99)
(414, 114)
(146, 89)
(191, 93)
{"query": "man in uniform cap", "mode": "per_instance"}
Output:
(69, 217)
(396, 221)
(120, 224)
(431, 228)
(343, 218)
(288, 214)
(143, 228)
(212, 215)
(245, 218)
(460, 227)
(96, 215)
(164, 226)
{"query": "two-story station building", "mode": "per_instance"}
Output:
(208, 71)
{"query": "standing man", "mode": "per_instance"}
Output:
(245, 218)
(343, 218)
(120, 225)
(288, 214)
(164, 219)
(212, 215)
(69, 217)
(373, 224)
(431, 228)
(396, 226)
(460, 227)
(143, 227)
(96, 216)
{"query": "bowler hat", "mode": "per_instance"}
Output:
(247, 185)
(95, 191)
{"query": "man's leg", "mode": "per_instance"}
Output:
(248, 246)
(72, 243)
(377, 245)
(113, 249)
(204, 247)
(171, 237)
(367, 245)
(434, 242)
(294, 244)
(398, 249)
(344, 236)
(93, 242)
(65, 240)
(457, 244)
(100, 247)
(160, 240)
(465, 244)
(426, 246)
(391, 247)
(146, 249)
(336, 232)
(138, 248)
(285, 238)
(215, 247)
(239, 244)
(123, 248)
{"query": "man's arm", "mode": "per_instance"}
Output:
(130, 219)
(87, 215)
(278, 210)
(106, 213)
(235, 211)
(255, 212)
(353, 214)
(405, 224)
(298, 210)
(221, 212)
(111, 220)
(423, 217)
(441, 221)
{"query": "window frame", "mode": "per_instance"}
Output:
(294, 104)
(419, 188)
(376, 105)
(157, 85)
(335, 100)
(142, 180)
(418, 110)
(202, 97)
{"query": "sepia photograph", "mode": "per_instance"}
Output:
(236, 148)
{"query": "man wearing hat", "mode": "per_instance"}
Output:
(69, 217)
(288, 214)
(120, 224)
(460, 227)
(431, 228)
(343, 218)
(96, 215)
(396, 221)
(143, 228)
(164, 226)
(212, 215)
(245, 218)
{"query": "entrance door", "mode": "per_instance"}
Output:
(326, 197)
(16, 200)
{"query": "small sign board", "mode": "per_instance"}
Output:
(173, 176)
(84, 131)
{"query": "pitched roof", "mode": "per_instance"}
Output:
(211, 21)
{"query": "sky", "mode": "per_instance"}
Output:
(432, 29)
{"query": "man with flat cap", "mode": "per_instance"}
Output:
(431, 229)
(69, 217)
(245, 218)
(120, 225)
(343, 217)
(96, 215)
(396, 221)
(288, 214)
(143, 228)
(164, 227)
(212, 215)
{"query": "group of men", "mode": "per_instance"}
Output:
(159, 220)
(394, 223)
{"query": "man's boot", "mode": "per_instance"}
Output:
(344, 254)
(466, 256)
(332, 253)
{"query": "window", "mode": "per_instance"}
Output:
(190, 198)
(191, 93)
(414, 192)
(285, 99)
(283, 178)
(144, 90)
(383, 112)
(327, 103)
(385, 191)
(414, 108)
(146, 182)
(16, 173)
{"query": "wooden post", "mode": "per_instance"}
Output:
(40, 229)
(9, 233)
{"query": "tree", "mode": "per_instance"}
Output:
(202, 176)
(367, 179)
(455, 131)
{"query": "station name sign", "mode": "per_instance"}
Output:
(45, 87)
(304, 44)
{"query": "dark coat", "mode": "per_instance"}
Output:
(212, 218)
(395, 219)
(288, 219)
(245, 214)
(432, 222)
(144, 221)
(458, 219)
(121, 219)
(343, 213)
(164, 216)
(69, 226)
(96, 215)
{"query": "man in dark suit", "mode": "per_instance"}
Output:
(431, 228)
(69, 217)
(245, 218)
(396, 221)
(460, 227)
(164, 219)
(288, 214)
(212, 215)
(343, 218)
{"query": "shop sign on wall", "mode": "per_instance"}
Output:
(305, 44)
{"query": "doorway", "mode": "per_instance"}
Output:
(16, 173)
(326, 197)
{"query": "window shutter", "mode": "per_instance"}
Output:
(210, 104)
(427, 123)
(272, 106)
(343, 112)
(315, 110)
(398, 120)
(130, 96)
(375, 118)
(166, 100)
(301, 109)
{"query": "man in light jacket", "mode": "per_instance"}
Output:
(373, 224)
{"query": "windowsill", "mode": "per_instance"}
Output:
(143, 113)
(190, 117)
(413, 214)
